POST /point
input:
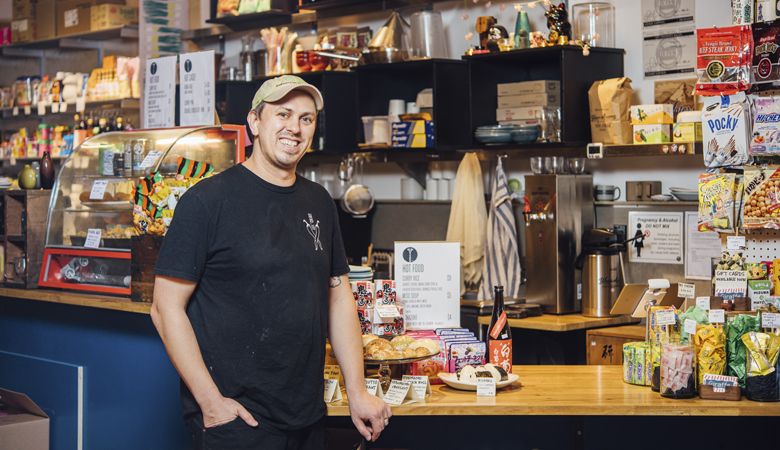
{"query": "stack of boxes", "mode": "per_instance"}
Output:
(35, 20)
(652, 123)
(524, 103)
(32, 20)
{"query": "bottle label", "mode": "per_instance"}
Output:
(498, 326)
(501, 354)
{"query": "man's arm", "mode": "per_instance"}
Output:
(369, 414)
(169, 316)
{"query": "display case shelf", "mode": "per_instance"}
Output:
(254, 21)
(122, 104)
(669, 204)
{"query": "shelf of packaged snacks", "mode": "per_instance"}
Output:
(129, 33)
(568, 391)
(670, 203)
(34, 158)
(224, 29)
(124, 104)
(564, 322)
(652, 150)
(243, 22)
(76, 299)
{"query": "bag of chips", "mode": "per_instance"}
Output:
(761, 197)
(717, 200)
(766, 127)
(723, 60)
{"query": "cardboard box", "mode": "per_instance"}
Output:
(529, 87)
(23, 9)
(534, 99)
(112, 16)
(413, 127)
(23, 30)
(652, 134)
(652, 114)
(73, 16)
(26, 426)
(527, 112)
(687, 132)
(45, 20)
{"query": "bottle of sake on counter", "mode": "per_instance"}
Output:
(499, 333)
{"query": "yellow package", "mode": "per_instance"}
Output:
(717, 192)
(776, 277)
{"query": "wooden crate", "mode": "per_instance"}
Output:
(605, 345)
(144, 251)
(24, 217)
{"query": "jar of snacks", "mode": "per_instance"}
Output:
(762, 380)
(678, 370)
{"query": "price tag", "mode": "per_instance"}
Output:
(419, 383)
(42, 108)
(332, 391)
(387, 311)
(27, 110)
(81, 104)
(55, 108)
(717, 316)
(374, 388)
(665, 318)
(98, 190)
(93, 238)
(150, 159)
(332, 372)
(770, 320)
(689, 326)
(735, 243)
(686, 290)
(15, 111)
(486, 387)
(401, 392)
(703, 303)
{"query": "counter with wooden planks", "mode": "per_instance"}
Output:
(565, 322)
(569, 391)
(77, 299)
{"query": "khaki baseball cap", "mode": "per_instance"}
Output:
(275, 89)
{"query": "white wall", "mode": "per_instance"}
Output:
(459, 18)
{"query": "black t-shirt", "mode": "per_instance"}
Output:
(262, 256)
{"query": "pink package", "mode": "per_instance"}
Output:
(385, 292)
(364, 316)
(363, 292)
(462, 354)
(5, 35)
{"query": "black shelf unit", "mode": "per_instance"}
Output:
(449, 78)
(565, 63)
(339, 91)
(333, 8)
(280, 14)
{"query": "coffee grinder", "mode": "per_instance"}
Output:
(558, 208)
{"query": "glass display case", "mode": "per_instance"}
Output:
(117, 185)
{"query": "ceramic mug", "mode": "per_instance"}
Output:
(606, 193)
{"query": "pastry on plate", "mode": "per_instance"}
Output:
(401, 342)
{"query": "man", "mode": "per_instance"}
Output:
(250, 277)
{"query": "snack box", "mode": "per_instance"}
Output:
(521, 123)
(401, 140)
(652, 134)
(687, 132)
(413, 127)
(462, 354)
(385, 293)
(652, 114)
(529, 87)
(531, 99)
(365, 317)
(439, 331)
(759, 291)
(363, 292)
(523, 113)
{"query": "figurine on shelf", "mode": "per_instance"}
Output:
(483, 26)
(498, 39)
(558, 24)
(538, 40)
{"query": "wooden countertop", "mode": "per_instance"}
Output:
(565, 322)
(625, 331)
(78, 299)
(570, 391)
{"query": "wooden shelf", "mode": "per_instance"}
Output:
(77, 299)
(565, 322)
(254, 21)
(569, 391)
(552, 52)
(74, 41)
(123, 104)
(660, 150)
(670, 203)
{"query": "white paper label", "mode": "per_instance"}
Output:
(399, 392)
(150, 159)
(63, 107)
(42, 108)
(196, 85)
(770, 320)
(717, 316)
(160, 93)
(387, 311)
(374, 388)
(486, 387)
(735, 243)
(332, 372)
(15, 111)
(71, 18)
(686, 290)
(689, 326)
(81, 104)
(719, 390)
(93, 238)
(419, 383)
(332, 391)
(27, 110)
(98, 190)
(703, 303)
(55, 108)
(665, 318)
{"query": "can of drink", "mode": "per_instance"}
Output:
(140, 148)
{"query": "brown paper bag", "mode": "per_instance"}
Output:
(610, 101)
(677, 92)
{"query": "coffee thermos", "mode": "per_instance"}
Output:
(601, 265)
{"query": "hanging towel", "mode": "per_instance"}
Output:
(468, 218)
(501, 265)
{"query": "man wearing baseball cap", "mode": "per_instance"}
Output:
(251, 277)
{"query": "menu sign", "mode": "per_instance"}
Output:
(160, 93)
(427, 277)
(196, 102)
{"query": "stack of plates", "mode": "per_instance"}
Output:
(685, 194)
(360, 273)
(495, 134)
(5, 182)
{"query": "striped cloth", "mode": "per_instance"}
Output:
(501, 265)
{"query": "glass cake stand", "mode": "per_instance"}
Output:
(384, 370)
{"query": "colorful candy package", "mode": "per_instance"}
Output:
(723, 60)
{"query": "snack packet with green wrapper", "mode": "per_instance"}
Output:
(695, 313)
(735, 329)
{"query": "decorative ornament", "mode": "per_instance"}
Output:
(558, 24)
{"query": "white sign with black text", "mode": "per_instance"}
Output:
(160, 93)
(427, 278)
(659, 237)
(196, 98)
